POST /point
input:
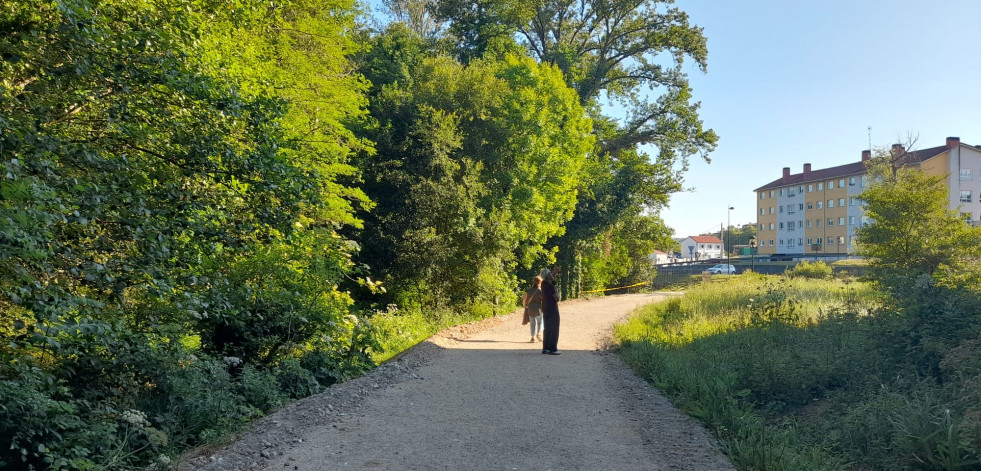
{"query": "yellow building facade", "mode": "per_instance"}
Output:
(816, 212)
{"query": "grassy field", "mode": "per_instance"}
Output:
(801, 374)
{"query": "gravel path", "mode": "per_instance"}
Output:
(482, 397)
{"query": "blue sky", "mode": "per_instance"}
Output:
(790, 83)
(793, 82)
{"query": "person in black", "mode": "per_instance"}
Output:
(550, 309)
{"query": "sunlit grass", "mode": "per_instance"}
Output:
(713, 308)
(740, 353)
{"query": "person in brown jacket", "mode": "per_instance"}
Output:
(532, 303)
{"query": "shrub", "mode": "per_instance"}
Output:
(804, 269)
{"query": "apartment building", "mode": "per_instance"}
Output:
(818, 211)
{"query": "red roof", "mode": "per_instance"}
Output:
(706, 239)
(857, 168)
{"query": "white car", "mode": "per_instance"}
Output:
(722, 269)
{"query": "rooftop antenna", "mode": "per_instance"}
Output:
(870, 138)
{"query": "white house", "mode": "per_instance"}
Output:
(701, 248)
(661, 258)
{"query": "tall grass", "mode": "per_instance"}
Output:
(799, 374)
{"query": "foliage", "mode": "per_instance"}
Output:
(167, 236)
(922, 255)
(797, 375)
(621, 256)
(912, 232)
(476, 165)
(628, 54)
(805, 269)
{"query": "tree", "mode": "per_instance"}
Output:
(153, 205)
(416, 15)
(912, 232)
(629, 53)
(923, 256)
(476, 165)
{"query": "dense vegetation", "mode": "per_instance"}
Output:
(209, 208)
(805, 373)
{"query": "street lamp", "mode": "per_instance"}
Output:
(728, 237)
(752, 252)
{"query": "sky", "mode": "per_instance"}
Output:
(791, 82)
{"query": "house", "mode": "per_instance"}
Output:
(701, 247)
(818, 211)
(660, 258)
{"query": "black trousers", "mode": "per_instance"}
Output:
(551, 340)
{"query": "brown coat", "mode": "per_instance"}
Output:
(532, 302)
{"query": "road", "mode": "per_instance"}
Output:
(482, 397)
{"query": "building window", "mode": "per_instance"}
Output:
(762, 195)
(851, 181)
(810, 187)
(841, 239)
(808, 224)
(831, 185)
(966, 217)
(841, 221)
(800, 241)
(801, 206)
(780, 193)
(771, 226)
(781, 242)
(780, 226)
(820, 186)
(771, 193)
(864, 182)
(819, 204)
(831, 240)
(851, 201)
(831, 222)
(851, 220)
(841, 202)
(771, 209)
(965, 174)
(801, 188)
(781, 209)
(809, 241)
(800, 223)
(810, 205)
(831, 203)
(965, 196)
(817, 222)
(761, 227)
(762, 211)
(771, 242)
(841, 183)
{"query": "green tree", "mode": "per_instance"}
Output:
(923, 256)
(476, 166)
(150, 205)
(912, 232)
(627, 53)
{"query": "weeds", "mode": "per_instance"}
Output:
(802, 374)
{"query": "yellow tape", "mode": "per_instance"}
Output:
(611, 289)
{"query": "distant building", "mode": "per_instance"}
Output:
(660, 258)
(818, 211)
(701, 248)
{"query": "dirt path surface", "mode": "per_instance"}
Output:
(482, 397)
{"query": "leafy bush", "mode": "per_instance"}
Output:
(815, 270)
